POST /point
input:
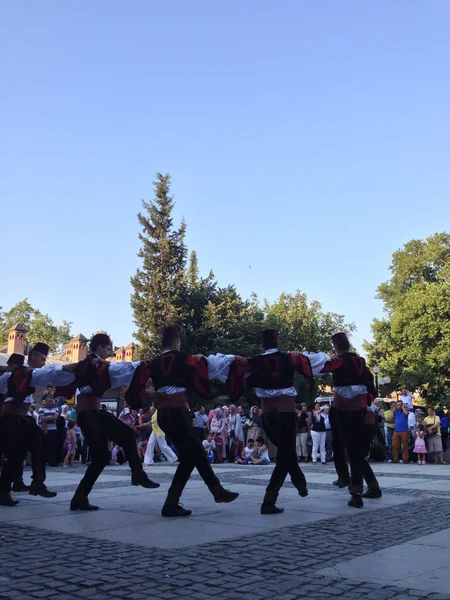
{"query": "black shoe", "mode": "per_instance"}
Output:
(340, 484)
(303, 493)
(21, 487)
(143, 480)
(175, 511)
(7, 500)
(225, 496)
(356, 501)
(270, 509)
(373, 494)
(42, 491)
(81, 503)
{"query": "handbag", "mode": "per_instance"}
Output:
(433, 433)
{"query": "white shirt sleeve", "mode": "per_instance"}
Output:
(219, 366)
(317, 361)
(4, 382)
(51, 375)
(121, 373)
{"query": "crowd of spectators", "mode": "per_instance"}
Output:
(233, 434)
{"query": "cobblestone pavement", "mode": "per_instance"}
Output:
(283, 563)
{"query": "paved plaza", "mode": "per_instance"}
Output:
(396, 547)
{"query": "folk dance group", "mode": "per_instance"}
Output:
(173, 373)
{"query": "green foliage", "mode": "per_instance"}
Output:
(412, 343)
(40, 327)
(302, 325)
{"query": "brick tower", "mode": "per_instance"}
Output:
(79, 348)
(16, 339)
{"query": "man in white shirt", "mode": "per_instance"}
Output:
(48, 414)
(406, 398)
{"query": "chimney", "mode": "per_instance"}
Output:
(16, 339)
(79, 348)
(130, 351)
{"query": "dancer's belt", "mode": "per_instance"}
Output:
(11, 408)
(88, 402)
(354, 404)
(177, 400)
(282, 404)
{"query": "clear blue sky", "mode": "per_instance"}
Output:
(309, 140)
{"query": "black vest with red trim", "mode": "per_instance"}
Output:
(171, 369)
(273, 371)
(352, 372)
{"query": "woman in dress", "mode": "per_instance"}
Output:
(236, 434)
(219, 429)
(253, 424)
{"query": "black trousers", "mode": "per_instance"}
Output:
(200, 433)
(177, 424)
(20, 435)
(99, 426)
(51, 447)
(352, 436)
(281, 429)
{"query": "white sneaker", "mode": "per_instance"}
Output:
(400, 461)
(389, 461)
(148, 464)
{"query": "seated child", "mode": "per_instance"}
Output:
(261, 456)
(210, 446)
(248, 454)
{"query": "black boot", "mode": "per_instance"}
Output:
(19, 486)
(356, 501)
(224, 496)
(373, 494)
(303, 492)
(175, 511)
(7, 500)
(41, 490)
(270, 509)
(80, 502)
(340, 483)
(141, 478)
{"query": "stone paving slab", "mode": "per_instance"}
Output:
(318, 533)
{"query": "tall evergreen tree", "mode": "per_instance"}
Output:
(160, 285)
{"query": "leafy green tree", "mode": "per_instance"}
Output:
(302, 325)
(160, 287)
(40, 327)
(231, 325)
(412, 342)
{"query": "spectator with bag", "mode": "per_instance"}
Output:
(219, 429)
(433, 439)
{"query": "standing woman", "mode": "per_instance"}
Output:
(219, 429)
(253, 424)
(318, 432)
(236, 434)
(434, 440)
